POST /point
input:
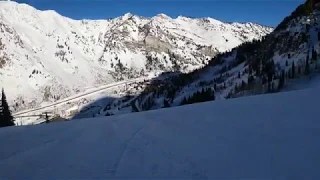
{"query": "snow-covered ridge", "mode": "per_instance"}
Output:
(288, 55)
(46, 57)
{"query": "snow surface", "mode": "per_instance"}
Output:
(274, 136)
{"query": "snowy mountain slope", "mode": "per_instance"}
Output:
(277, 139)
(68, 107)
(288, 55)
(46, 57)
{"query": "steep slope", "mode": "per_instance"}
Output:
(268, 65)
(260, 137)
(46, 57)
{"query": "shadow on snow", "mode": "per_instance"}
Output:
(102, 106)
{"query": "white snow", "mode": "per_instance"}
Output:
(49, 54)
(273, 136)
(76, 102)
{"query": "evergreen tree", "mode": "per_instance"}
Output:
(199, 96)
(165, 103)
(213, 96)
(215, 87)
(314, 54)
(134, 107)
(293, 71)
(6, 118)
(184, 101)
(281, 80)
(243, 85)
(307, 27)
(289, 75)
(307, 68)
(236, 89)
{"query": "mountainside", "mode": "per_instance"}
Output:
(291, 52)
(272, 136)
(45, 57)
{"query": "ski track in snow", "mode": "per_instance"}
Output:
(125, 148)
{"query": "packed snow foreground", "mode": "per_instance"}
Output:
(273, 136)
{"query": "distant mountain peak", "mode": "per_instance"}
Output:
(163, 16)
(127, 15)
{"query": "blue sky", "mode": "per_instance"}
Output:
(266, 12)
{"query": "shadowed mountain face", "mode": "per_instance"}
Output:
(93, 109)
(282, 60)
(126, 103)
(45, 57)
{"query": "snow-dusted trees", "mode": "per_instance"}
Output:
(200, 96)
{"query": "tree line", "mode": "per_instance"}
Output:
(200, 96)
